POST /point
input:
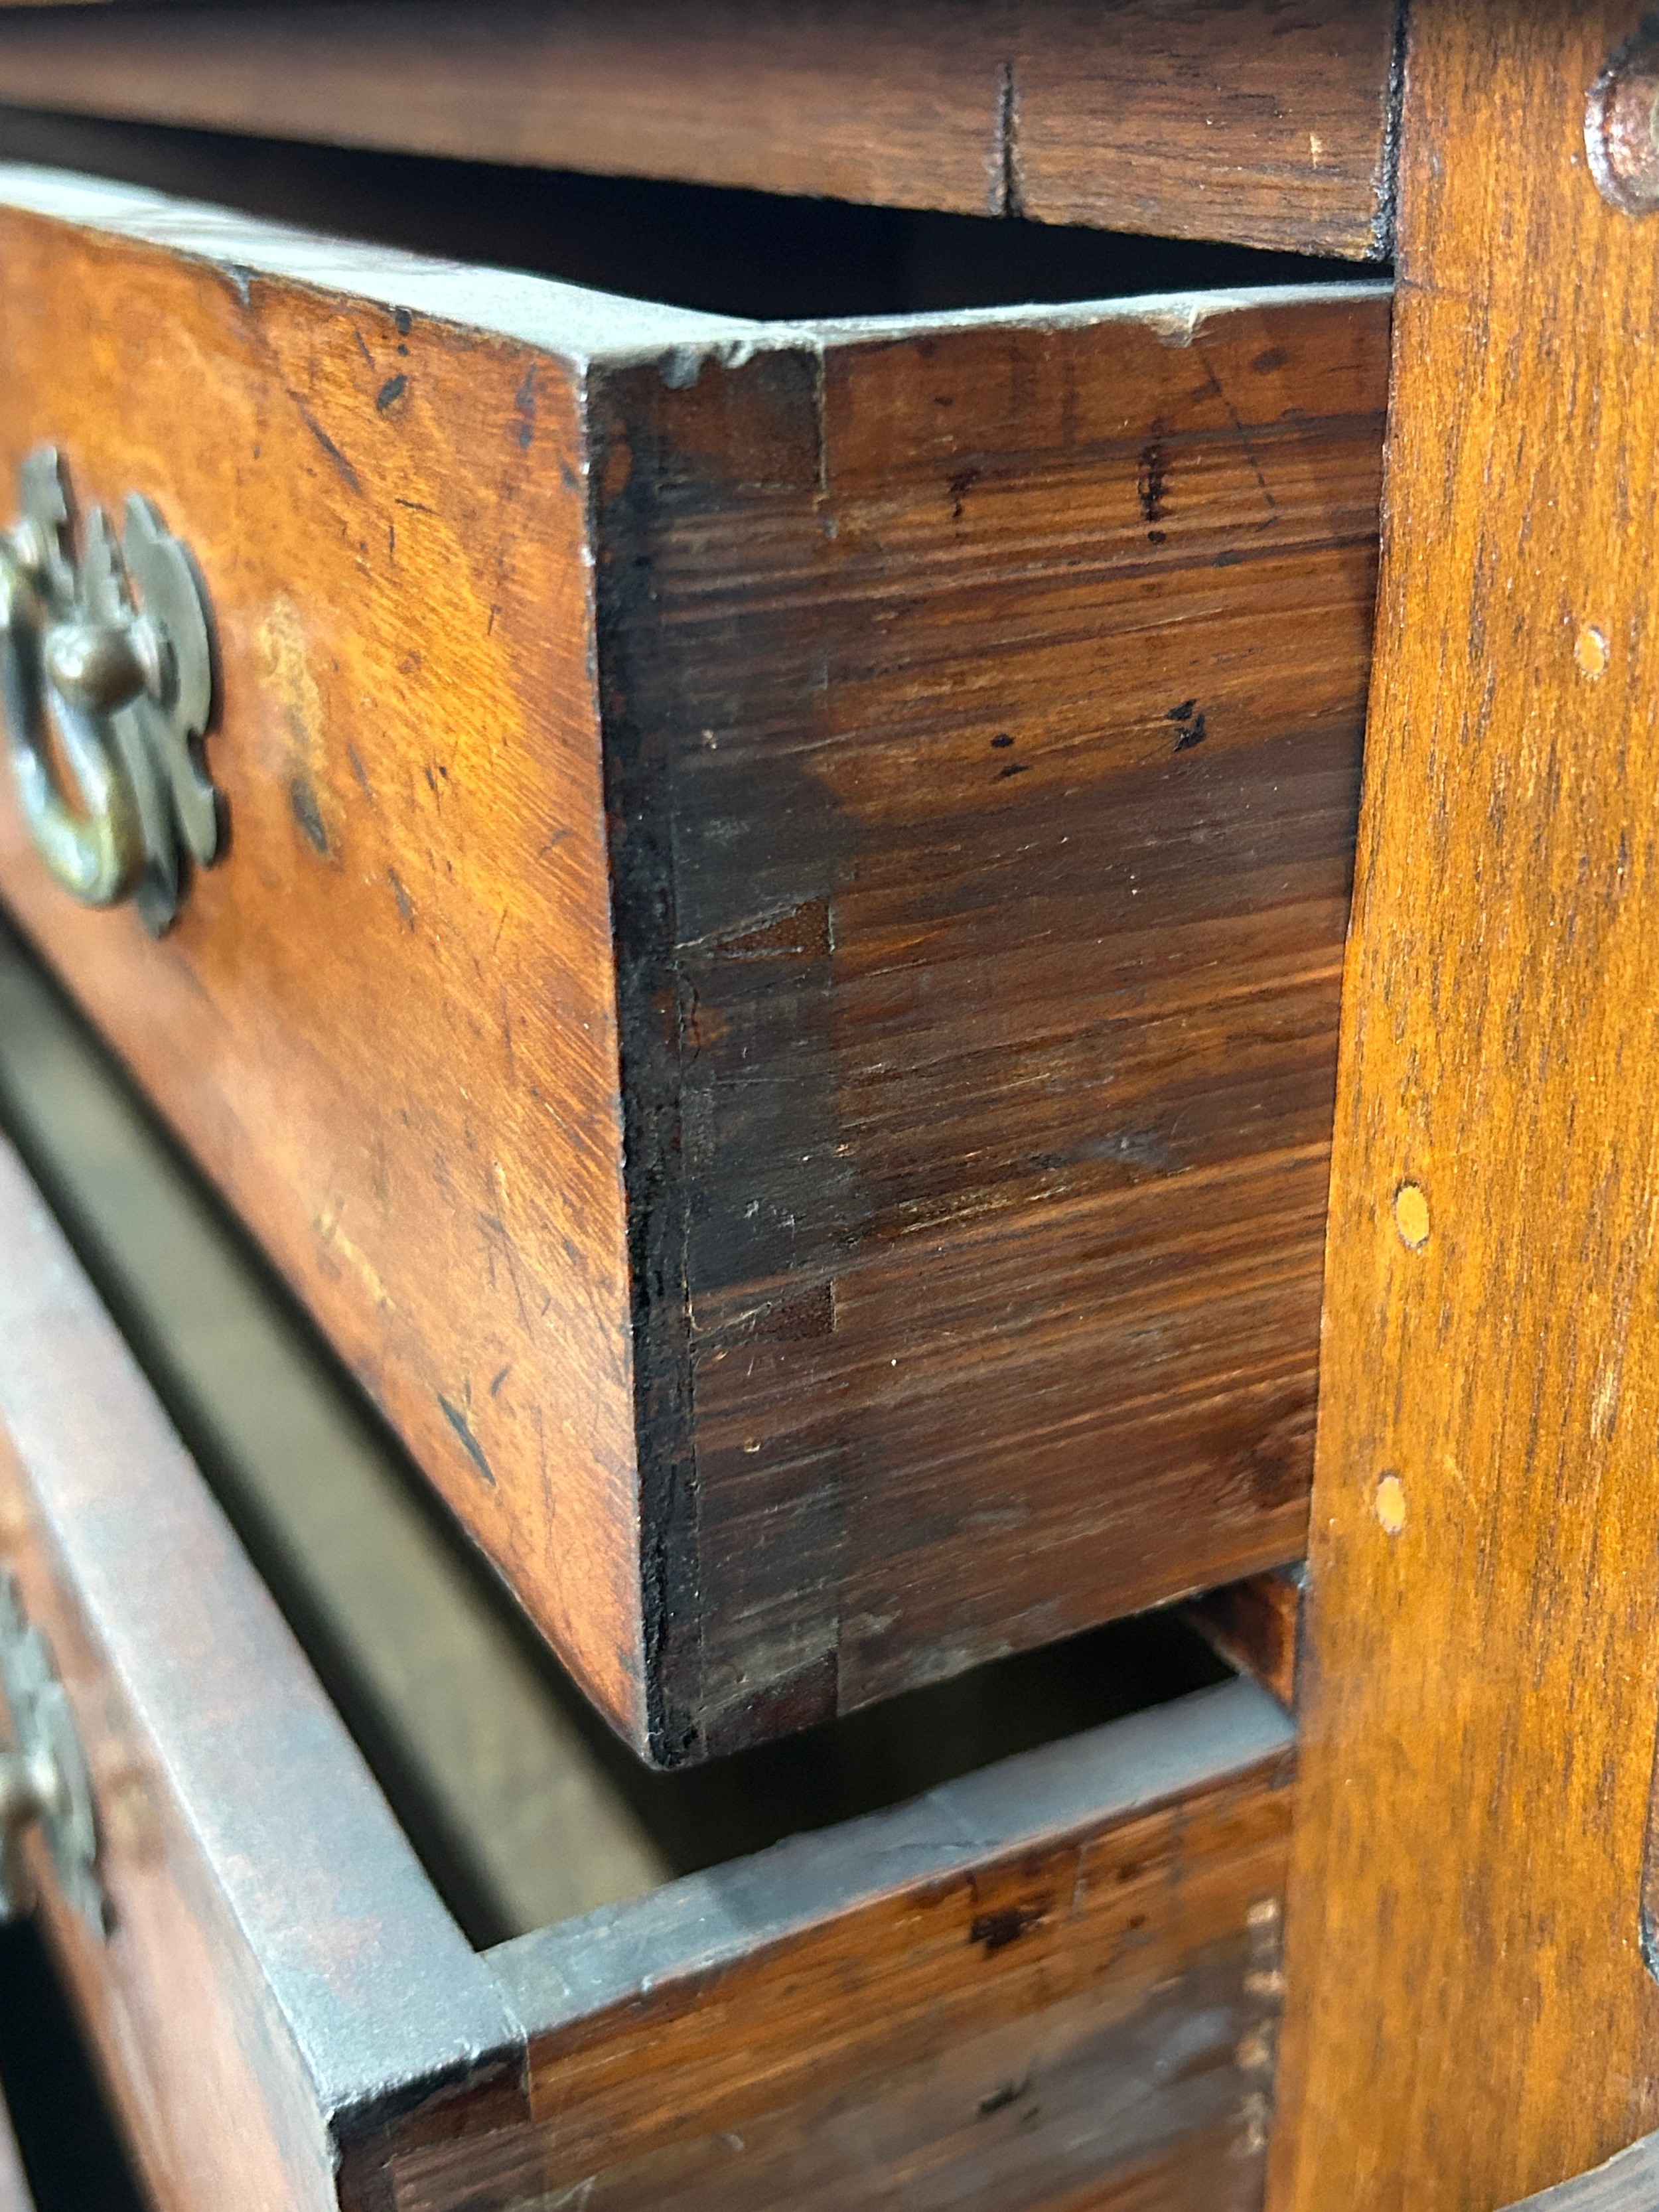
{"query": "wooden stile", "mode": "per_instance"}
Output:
(1470, 2014)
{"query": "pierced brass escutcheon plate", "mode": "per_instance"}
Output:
(116, 649)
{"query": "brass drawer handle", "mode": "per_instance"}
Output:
(43, 1777)
(127, 683)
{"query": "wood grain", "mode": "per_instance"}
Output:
(486, 1768)
(1248, 120)
(1256, 1627)
(1268, 124)
(979, 710)
(1470, 2016)
(1081, 2011)
(1052, 1982)
(276, 1958)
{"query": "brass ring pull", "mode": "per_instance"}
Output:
(45, 1777)
(125, 681)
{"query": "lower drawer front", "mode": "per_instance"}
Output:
(1050, 1984)
(774, 981)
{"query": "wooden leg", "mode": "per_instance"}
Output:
(1470, 2017)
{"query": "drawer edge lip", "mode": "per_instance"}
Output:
(553, 1978)
(1626, 2182)
(418, 2009)
(1181, 314)
(574, 322)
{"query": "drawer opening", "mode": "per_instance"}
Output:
(761, 256)
(523, 1808)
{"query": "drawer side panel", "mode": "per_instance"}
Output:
(1014, 2012)
(1004, 688)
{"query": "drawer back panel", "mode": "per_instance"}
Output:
(774, 985)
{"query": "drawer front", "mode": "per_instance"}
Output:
(265, 1929)
(1054, 1982)
(774, 984)
(384, 1022)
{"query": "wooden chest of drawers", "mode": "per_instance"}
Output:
(774, 983)
(1470, 1982)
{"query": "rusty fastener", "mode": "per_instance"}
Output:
(1621, 124)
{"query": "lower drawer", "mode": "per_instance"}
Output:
(1051, 1982)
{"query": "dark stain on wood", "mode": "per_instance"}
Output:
(1153, 487)
(1010, 2093)
(1196, 725)
(524, 404)
(996, 1930)
(343, 467)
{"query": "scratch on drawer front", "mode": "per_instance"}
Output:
(333, 1238)
(343, 467)
(293, 692)
(469, 1443)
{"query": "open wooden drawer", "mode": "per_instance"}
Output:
(771, 973)
(1049, 1982)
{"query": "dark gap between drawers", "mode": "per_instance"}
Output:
(522, 1806)
(736, 252)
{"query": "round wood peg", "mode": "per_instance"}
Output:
(1411, 1215)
